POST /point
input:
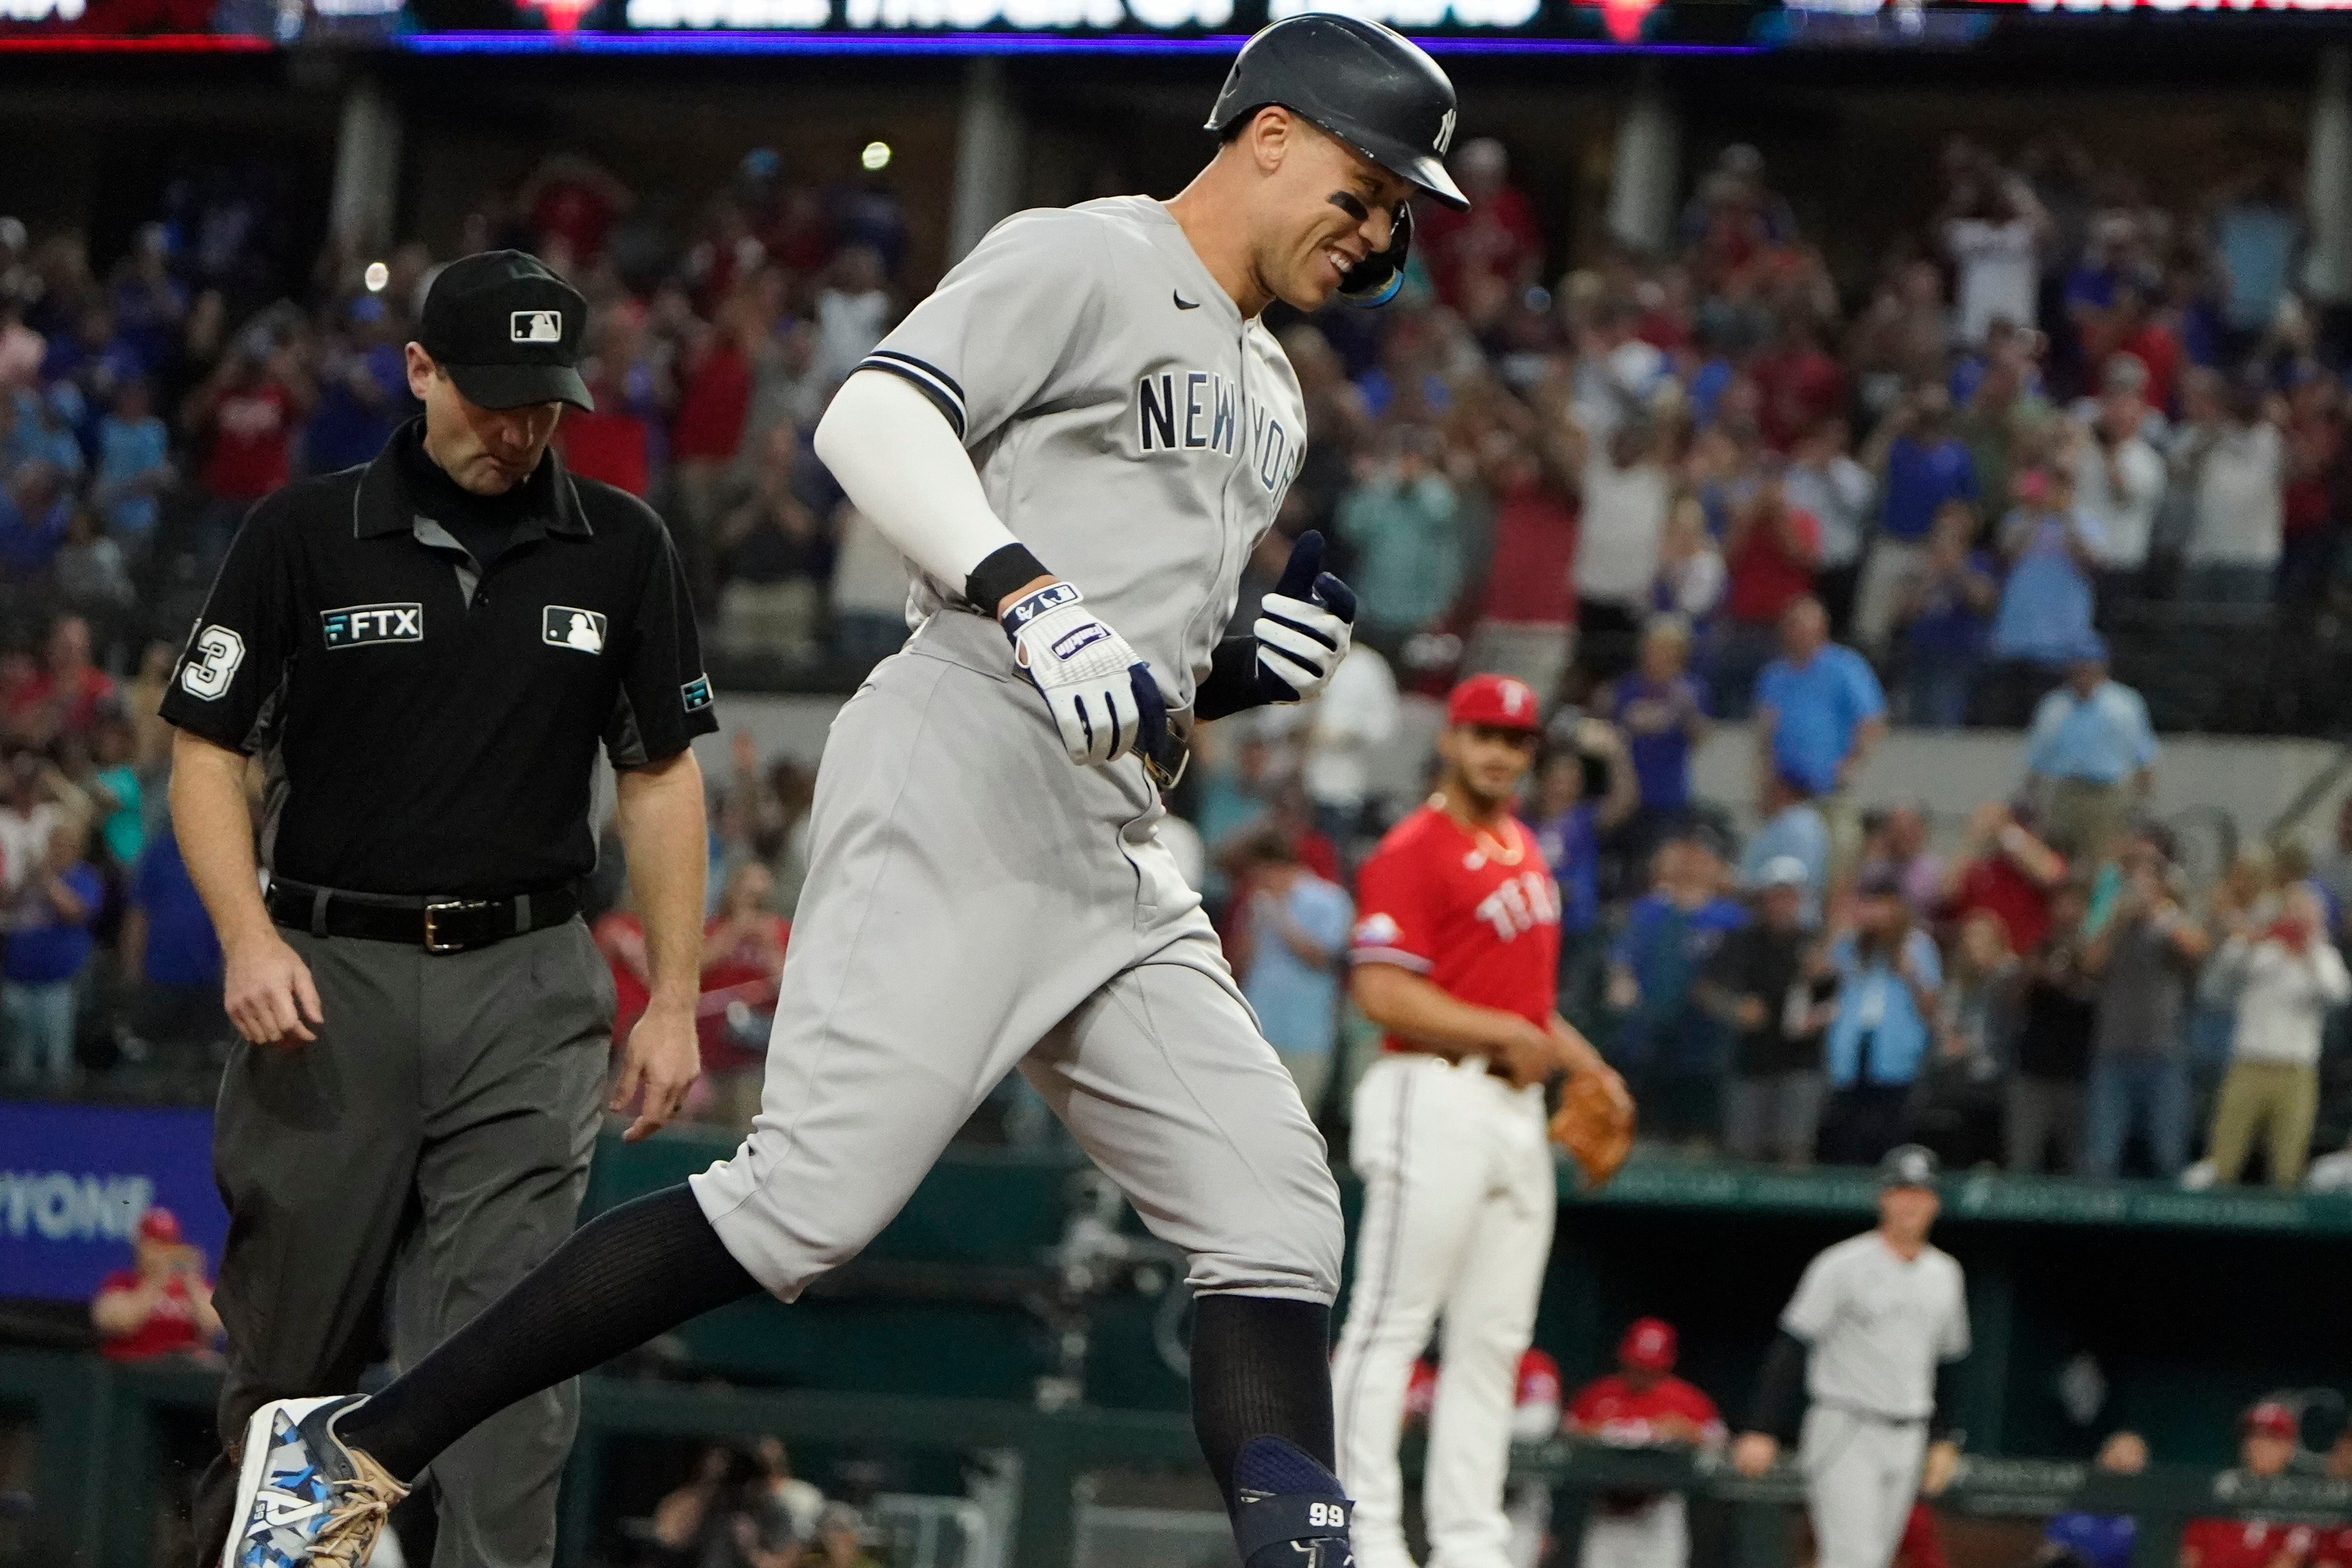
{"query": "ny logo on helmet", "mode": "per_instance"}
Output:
(1446, 134)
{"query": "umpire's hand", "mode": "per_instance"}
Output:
(267, 992)
(662, 1058)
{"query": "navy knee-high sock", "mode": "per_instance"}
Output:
(633, 1272)
(1261, 1368)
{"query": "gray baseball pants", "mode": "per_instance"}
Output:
(398, 1174)
(1861, 1475)
(974, 903)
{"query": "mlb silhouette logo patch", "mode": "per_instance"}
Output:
(536, 327)
(561, 625)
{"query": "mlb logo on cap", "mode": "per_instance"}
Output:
(1496, 700)
(536, 327)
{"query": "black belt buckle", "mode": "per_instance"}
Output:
(434, 912)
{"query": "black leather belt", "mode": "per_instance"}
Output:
(1167, 764)
(436, 925)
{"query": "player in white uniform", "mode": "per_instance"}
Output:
(1093, 388)
(1876, 1325)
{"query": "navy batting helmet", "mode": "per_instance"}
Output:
(1373, 88)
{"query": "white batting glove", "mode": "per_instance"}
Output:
(1102, 697)
(1304, 626)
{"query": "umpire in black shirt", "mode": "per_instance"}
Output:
(424, 652)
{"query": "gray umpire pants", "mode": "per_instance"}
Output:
(395, 1177)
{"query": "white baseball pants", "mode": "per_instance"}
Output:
(1655, 1535)
(1458, 1201)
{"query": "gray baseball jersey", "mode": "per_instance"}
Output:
(1878, 1326)
(974, 902)
(1129, 426)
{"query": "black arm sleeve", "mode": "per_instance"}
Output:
(1231, 684)
(1777, 1387)
(1948, 1400)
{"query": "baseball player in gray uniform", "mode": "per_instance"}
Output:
(1076, 440)
(1872, 1334)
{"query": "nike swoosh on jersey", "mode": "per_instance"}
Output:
(1185, 304)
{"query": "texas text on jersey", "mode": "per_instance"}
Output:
(1474, 910)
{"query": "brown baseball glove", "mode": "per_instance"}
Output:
(1595, 1124)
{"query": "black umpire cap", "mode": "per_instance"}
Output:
(1908, 1166)
(1372, 88)
(507, 331)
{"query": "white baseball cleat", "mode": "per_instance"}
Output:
(304, 1500)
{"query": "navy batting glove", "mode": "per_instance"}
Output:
(1303, 627)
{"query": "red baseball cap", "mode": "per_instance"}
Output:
(2272, 1419)
(159, 1225)
(1498, 700)
(1648, 1345)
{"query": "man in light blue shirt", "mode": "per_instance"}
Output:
(1795, 830)
(1298, 930)
(2090, 755)
(1819, 708)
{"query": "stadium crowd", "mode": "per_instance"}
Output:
(1665, 490)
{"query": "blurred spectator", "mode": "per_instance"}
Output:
(1771, 551)
(2079, 1540)
(1691, 574)
(2270, 1436)
(1627, 490)
(1974, 1024)
(1993, 236)
(1923, 469)
(714, 399)
(134, 467)
(2229, 456)
(1402, 520)
(2119, 478)
(242, 417)
(2145, 953)
(363, 390)
(2056, 1024)
(853, 309)
(49, 948)
(2047, 605)
(1641, 1405)
(744, 944)
(2312, 430)
(2091, 754)
(116, 793)
(2284, 977)
(1527, 616)
(1668, 1045)
(1568, 823)
(1348, 727)
(163, 1304)
(169, 954)
(90, 575)
(36, 510)
(1289, 971)
(67, 693)
(1496, 245)
(2002, 867)
(1772, 980)
(1945, 617)
(777, 560)
(1819, 710)
(801, 1504)
(1889, 978)
(1897, 846)
(841, 1539)
(1827, 484)
(2255, 231)
(1792, 829)
(1660, 709)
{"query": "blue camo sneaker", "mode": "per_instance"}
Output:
(1291, 1512)
(303, 1499)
